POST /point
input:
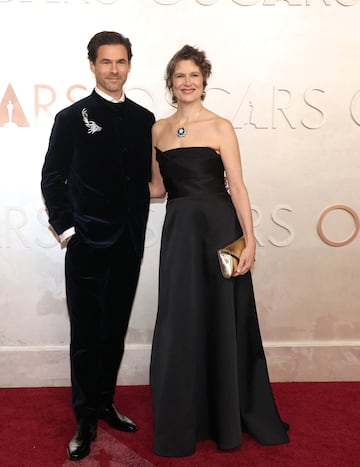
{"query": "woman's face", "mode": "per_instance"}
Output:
(187, 81)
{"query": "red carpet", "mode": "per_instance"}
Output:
(36, 425)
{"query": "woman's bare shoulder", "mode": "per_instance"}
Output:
(161, 124)
(215, 118)
(159, 127)
(219, 123)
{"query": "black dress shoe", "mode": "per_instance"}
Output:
(115, 419)
(79, 446)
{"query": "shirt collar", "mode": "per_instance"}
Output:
(109, 98)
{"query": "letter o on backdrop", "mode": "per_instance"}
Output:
(333, 208)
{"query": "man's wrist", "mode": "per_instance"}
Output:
(66, 235)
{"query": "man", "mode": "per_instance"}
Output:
(95, 185)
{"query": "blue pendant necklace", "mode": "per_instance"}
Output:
(182, 130)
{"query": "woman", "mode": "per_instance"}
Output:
(208, 371)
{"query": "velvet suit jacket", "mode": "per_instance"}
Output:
(96, 171)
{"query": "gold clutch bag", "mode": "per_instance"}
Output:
(229, 257)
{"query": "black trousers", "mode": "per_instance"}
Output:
(100, 289)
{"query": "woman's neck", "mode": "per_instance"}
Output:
(188, 112)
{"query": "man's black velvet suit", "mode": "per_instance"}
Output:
(95, 178)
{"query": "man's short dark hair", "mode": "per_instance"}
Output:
(107, 38)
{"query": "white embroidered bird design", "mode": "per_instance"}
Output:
(92, 126)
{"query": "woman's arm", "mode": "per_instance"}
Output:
(156, 186)
(230, 154)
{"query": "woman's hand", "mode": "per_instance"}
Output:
(246, 261)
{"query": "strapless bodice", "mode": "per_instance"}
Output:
(191, 171)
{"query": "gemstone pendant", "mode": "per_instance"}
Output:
(181, 131)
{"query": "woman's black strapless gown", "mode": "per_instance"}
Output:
(208, 373)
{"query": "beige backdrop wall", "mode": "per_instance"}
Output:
(287, 75)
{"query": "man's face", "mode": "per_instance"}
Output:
(111, 69)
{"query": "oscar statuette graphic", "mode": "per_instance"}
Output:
(10, 109)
